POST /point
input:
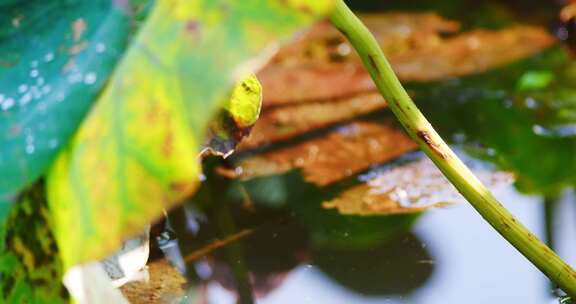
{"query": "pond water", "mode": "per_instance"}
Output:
(271, 240)
(449, 256)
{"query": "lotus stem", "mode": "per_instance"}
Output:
(422, 132)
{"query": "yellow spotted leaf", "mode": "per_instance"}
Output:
(136, 153)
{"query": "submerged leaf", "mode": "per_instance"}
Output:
(136, 154)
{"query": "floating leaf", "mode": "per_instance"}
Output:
(340, 153)
(322, 66)
(166, 285)
(55, 58)
(280, 123)
(495, 121)
(319, 65)
(407, 185)
(136, 154)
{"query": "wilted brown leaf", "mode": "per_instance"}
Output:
(407, 187)
(166, 285)
(321, 65)
(396, 33)
(284, 122)
(340, 153)
(317, 82)
(472, 52)
(361, 200)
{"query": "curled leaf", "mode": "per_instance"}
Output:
(236, 118)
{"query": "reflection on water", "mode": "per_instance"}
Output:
(451, 256)
(291, 250)
(299, 252)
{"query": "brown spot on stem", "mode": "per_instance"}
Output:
(425, 136)
(398, 106)
(373, 64)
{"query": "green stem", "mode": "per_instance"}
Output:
(453, 168)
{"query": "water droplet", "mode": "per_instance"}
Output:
(42, 108)
(74, 78)
(416, 182)
(344, 49)
(49, 57)
(401, 196)
(459, 138)
(60, 97)
(24, 100)
(34, 64)
(7, 104)
(530, 103)
(53, 143)
(538, 130)
(22, 88)
(1, 98)
(100, 47)
(203, 269)
(46, 89)
(40, 81)
(36, 94)
(238, 171)
(566, 130)
(90, 78)
(34, 73)
(30, 149)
